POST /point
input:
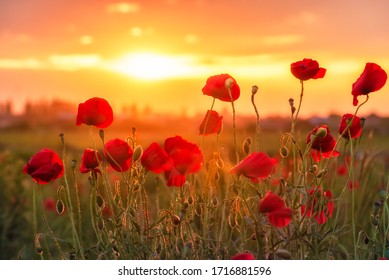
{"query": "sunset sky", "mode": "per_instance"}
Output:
(159, 53)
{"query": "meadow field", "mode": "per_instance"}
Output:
(93, 186)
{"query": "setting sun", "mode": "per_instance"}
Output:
(153, 66)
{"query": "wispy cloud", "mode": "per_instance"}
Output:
(74, 61)
(28, 63)
(123, 7)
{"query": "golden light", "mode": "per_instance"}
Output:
(153, 66)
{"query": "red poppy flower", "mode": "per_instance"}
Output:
(243, 256)
(186, 158)
(270, 202)
(90, 161)
(44, 166)
(49, 204)
(307, 69)
(95, 111)
(212, 123)
(322, 142)
(155, 159)
(254, 166)
(320, 205)
(373, 78)
(277, 213)
(217, 87)
(118, 154)
(280, 217)
(355, 129)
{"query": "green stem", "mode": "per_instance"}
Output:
(76, 240)
(234, 125)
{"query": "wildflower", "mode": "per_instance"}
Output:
(307, 69)
(119, 154)
(322, 142)
(90, 161)
(49, 204)
(373, 78)
(186, 159)
(212, 123)
(320, 205)
(44, 166)
(155, 159)
(350, 131)
(277, 213)
(220, 86)
(254, 166)
(95, 111)
(243, 256)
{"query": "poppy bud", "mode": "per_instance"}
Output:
(246, 145)
(60, 207)
(215, 201)
(100, 201)
(321, 132)
(254, 89)
(62, 137)
(116, 199)
(74, 163)
(383, 194)
(322, 173)
(176, 220)
(101, 134)
(284, 152)
(190, 200)
(362, 120)
(283, 254)
(291, 102)
(199, 210)
(138, 152)
(229, 82)
(100, 224)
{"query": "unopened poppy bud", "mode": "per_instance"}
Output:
(254, 89)
(176, 220)
(284, 152)
(321, 132)
(291, 102)
(199, 210)
(215, 201)
(246, 145)
(253, 236)
(60, 207)
(293, 109)
(283, 254)
(190, 200)
(229, 82)
(62, 137)
(362, 121)
(116, 199)
(101, 134)
(100, 224)
(100, 201)
(383, 194)
(136, 187)
(138, 152)
(217, 177)
(313, 168)
(74, 163)
(322, 173)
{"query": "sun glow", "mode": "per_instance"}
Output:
(153, 66)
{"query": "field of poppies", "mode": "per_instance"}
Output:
(322, 196)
